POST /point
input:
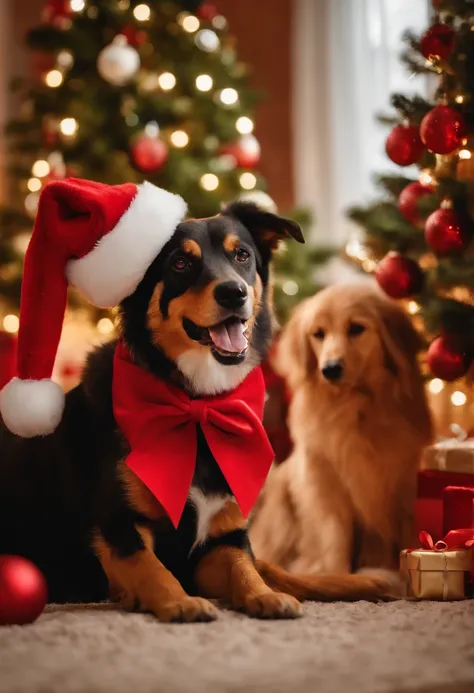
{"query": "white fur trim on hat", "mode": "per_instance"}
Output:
(31, 408)
(114, 268)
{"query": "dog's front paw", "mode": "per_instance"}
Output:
(271, 605)
(186, 610)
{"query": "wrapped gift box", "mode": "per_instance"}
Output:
(429, 503)
(441, 571)
(458, 508)
(455, 454)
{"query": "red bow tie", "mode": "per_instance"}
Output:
(159, 422)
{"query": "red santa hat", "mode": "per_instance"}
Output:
(99, 238)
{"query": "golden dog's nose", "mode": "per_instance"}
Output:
(333, 370)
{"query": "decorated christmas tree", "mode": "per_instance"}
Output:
(418, 238)
(125, 91)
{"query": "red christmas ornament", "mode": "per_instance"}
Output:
(23, 592)
(135, 37)
(207, 11)
(408, 201)
(447, 359)
(443, 130)
(437, 42)
(58, 13)
(245, 151)
(404, 146)
(149, 153)
(446, 231)
(399, 276)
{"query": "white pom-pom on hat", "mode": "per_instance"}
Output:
(32, 407)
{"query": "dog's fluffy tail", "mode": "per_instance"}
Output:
(324, 588)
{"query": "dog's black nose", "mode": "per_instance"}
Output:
(231, 294)
(333, 370)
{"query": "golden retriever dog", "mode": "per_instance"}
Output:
(343, 501)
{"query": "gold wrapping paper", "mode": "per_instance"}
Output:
(436, 575)
(450, 456)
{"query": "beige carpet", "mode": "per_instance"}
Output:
(334, 648)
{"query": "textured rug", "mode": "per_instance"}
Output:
(335, 648)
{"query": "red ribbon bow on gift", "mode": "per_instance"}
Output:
(160, 421)
(455, 539)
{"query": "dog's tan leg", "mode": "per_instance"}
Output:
(229, 573)
(325, 522)
(140, 581)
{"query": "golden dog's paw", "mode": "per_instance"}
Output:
(272, 605)
(186, 610)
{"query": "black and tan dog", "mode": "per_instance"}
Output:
(201, 318)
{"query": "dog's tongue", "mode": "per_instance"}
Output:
(229, 337)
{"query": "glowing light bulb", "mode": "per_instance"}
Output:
(190, 23)
(458, 398)
(179, 138)
(459, 98)
(248, 181)
(204, 82)
(209, 181)
(425, 177)
(54, 78)
(436, 386)
(413, 307)
(142, 13)
(244, 125)
(465, 154)
(11, 323)
(105, 326)
(34, 184)
(229, 96)
(167, 81)
(290, 287)
(77, 5)
(68, 126)
(40, 168)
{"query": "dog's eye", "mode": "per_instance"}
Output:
(355, 329)
(242, 255)
(319, 334)
(180, 264)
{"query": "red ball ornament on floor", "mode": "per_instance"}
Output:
(23, 592)
(446, 231)
(149, 153)
(404, 146)
(408, 201)
(437, 42)
(399, 276)
(447, 359)
(443, 130)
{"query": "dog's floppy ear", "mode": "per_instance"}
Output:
(266, 228)
(295, 358)
(401, 343)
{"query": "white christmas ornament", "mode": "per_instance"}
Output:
(207, 40)
(118, 62)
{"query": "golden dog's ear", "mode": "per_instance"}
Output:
(295, 359)
(401, 344)
(266, 228)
